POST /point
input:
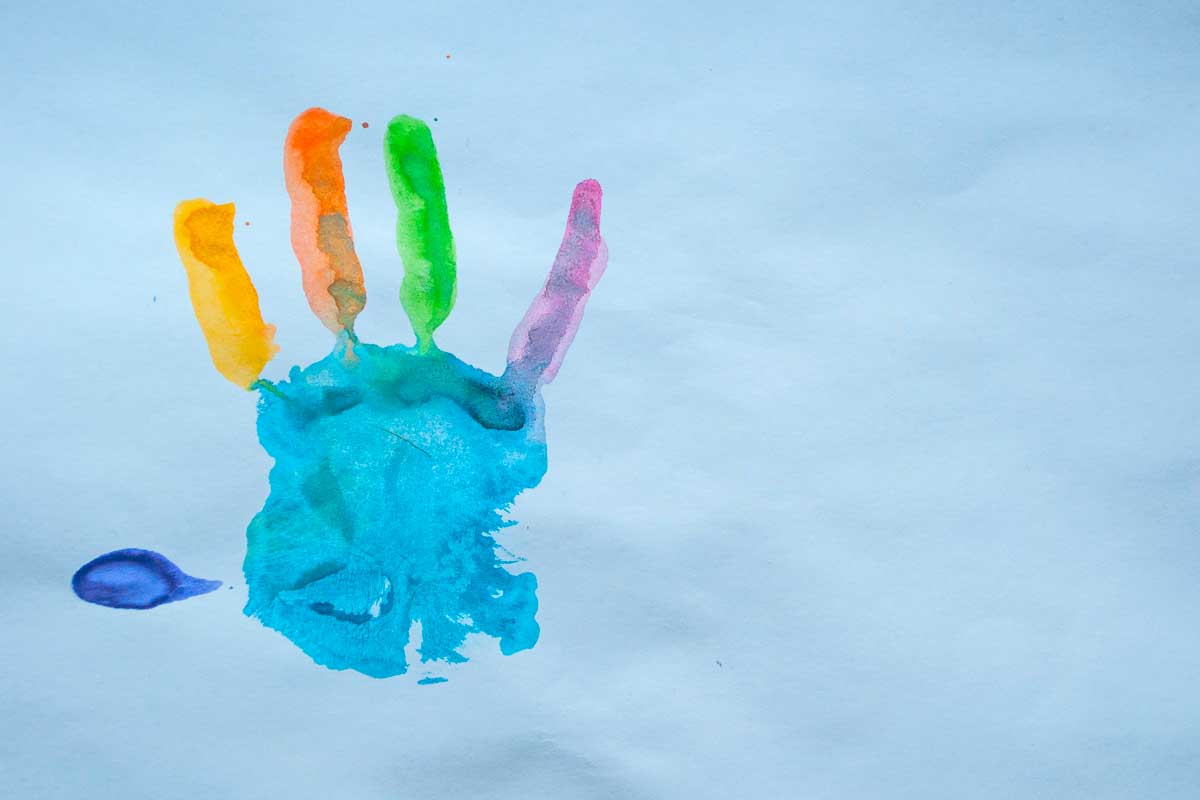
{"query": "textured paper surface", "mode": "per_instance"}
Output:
(874, 470)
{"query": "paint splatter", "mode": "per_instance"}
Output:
(430, 681)
(134, 578)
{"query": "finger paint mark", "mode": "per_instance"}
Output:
(136, 579)
(543, 336)
(321, 234)
(422, 226)
(223, 297)
(430, 681)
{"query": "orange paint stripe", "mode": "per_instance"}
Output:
(321, 234)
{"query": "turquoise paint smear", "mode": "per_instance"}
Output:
(391, 468)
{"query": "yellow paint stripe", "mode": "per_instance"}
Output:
(223, 296)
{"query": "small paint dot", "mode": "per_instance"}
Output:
(447, 56)
(366, 124)
(435, 119)
(247, 223)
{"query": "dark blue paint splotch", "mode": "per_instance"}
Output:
(134, 578)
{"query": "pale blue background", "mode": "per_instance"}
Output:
(888, 401)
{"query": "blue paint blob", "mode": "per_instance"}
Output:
(428, 681)
(391, 469)
(134, 578)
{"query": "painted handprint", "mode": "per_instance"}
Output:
(393, 465)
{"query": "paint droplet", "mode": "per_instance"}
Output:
(427, 681)
(435, 119)
(134, 578)
(447, 56)
(247, 223)
(366, 124)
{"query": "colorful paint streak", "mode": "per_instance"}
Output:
(422, 226)
(393, 465)
(136, 579)
(223, 296)
(543, 336)
(321, 235)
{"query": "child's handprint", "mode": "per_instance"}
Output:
(391, 463)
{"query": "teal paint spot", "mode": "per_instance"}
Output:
(391, 469)
(428, 681)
